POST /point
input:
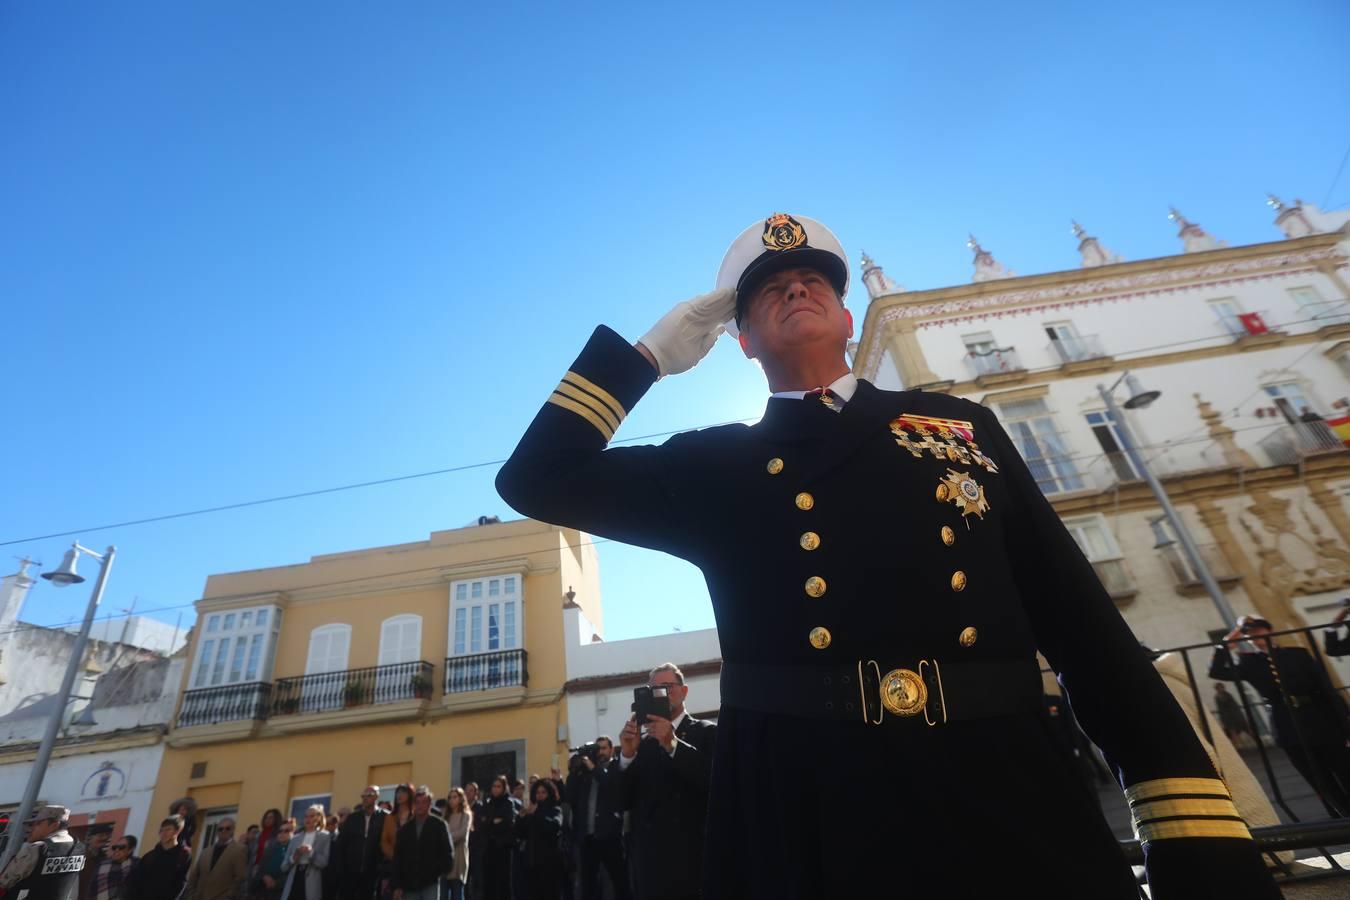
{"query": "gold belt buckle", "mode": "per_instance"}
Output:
(903, 692)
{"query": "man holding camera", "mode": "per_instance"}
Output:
(595, 794)
(667, 770)
(883, 568)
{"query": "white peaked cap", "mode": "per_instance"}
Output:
(780, 242)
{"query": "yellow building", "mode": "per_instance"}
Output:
(436, 662)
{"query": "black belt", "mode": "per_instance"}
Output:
(934, 691)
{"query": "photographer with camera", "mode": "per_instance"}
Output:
(595, 794)
(666, 761)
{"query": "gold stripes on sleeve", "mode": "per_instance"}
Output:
(1167, 808)
(578, 394)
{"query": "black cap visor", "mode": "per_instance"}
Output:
(772, 261)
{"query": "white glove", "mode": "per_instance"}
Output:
(686, 333)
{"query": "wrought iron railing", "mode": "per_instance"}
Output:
(994, 362)
(1289, 443)
(352, 687)
(484, 671)
(1077, 348)
(226, 703)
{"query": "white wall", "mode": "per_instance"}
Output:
(76, 781)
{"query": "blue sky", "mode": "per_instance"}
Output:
(254, 249)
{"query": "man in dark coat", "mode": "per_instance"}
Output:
(358, 849)
(1307, 715)
(423, 852)
(666, 777)
(594, 792)
(883, 569)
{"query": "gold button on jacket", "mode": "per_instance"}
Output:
(820, 637)
(948, 536)
(968, 636)
(805, 500)
(815, 586)
(775, 466)
(810, 540)
(958, 580)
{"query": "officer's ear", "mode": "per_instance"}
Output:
(744, 341)
(849, 315)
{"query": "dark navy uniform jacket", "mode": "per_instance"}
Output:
(826, 538)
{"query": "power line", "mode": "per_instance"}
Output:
(342, 581)
(1337, 178)
(496, 462)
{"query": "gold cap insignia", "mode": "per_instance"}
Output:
(963, 490)
(782, 232)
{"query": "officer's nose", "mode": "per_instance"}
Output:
(795, 291)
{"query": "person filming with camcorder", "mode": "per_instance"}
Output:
(666, 761)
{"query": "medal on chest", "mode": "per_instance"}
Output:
(963, 491)
(949, 440)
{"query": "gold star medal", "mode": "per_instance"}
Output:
(962, 490)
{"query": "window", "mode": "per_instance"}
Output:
(1230, 315)
(1317, 311)
(236, 647)
(485, 615)
(1067, 345)
(300, 804)
(328, 646)
(985, 357)
(1290, 399)
(400, 649)
(1107, 432)
(1099, 546)
(1033, 429)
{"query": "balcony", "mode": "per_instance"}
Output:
(485, 679)
(1290, 444)
(1185, 581)
(1116, 579)
(1079, 354)
(227, 712)
(1252, 330)
(998, 366)
(376, 693)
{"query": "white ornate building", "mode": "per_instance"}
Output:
(1250, 347)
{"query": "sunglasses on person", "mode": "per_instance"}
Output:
(119, 847)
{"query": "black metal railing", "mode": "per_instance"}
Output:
(484, 671)
(352, 687)
(1309, 799)
(226, 703)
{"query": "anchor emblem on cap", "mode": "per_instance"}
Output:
(782, 232)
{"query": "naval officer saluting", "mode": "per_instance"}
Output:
(883, 568)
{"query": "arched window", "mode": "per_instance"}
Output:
(401, 640)
(325, 675)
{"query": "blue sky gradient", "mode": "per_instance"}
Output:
(254, 249)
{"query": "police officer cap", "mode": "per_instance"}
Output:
(781, 241)
(49, 811)
(99, 828)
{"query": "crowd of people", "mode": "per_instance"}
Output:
(545, 837)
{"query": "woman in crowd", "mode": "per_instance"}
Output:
(270, 873)
(403, 800)
(541, 826)
(267, 831)
(306, 858)
(499, 814)
(459, 819)
(187, 808)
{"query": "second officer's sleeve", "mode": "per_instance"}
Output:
(561, 472)
(1195, 842)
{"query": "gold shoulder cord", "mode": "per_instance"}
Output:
(862, 693)
(942, 697)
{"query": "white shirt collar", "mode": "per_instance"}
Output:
(843, 388)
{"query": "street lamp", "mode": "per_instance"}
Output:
(1140, 399)
(64, 575)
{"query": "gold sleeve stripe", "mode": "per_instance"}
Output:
(1194, 828)
(605, 396)
(586, 399)
(1164, 809)
(1165, 787)
(585, 412)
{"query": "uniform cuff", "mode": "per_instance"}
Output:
(604, 382)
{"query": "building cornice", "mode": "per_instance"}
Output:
(1113, 283)
(82, 745)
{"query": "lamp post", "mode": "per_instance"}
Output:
(63, 576)
(1139, 399)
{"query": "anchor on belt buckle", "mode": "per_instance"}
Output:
(902, 692)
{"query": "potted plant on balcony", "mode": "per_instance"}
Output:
(420, 686)
(353, 693)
